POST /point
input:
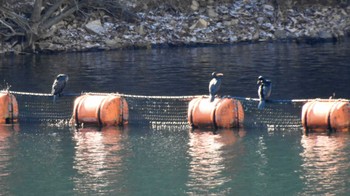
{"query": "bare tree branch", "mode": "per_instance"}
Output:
(56, 19)
(8, 26)
(51, 10)
(33, 20)
(36, 11)
(19, 20)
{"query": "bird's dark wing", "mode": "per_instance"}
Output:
(58, 86)
(267, 89)
(214, 86)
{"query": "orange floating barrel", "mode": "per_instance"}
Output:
(326, 115)
(221, 113)
(8, 108)
(102, 110)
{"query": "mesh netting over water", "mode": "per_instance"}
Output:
(277, 113)
(158, 110)
(37, 107)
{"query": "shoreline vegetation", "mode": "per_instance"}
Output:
(46, 26)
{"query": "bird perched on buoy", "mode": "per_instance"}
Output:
(58, 85)
(214, 85)
(264, 91)
(332, 96)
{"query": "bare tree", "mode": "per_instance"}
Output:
(43, 14)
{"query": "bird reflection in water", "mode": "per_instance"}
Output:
(325, 163)
(207, 165)
(98, 159)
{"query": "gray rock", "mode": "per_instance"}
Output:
(95, 27)
(280, 34)
(260, 20)
(267, 26)
(325, 34)
(268, 10)
(201, 23)
(55, 47)
(113, 43)
(194, 6)
(211, 12)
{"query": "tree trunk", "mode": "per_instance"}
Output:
(36, 11)
(44, 15)
(32, 35)
(39, 22)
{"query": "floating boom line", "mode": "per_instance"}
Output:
(158, 110)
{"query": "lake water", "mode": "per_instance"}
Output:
(46, 159)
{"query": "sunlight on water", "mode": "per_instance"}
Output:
(6, 132)
(325, 163)
(207, 165)
(98, 160)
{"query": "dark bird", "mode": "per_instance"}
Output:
(332, 96)
(58, 85)
(214, 85)
(264, 91)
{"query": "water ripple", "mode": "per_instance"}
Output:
(98, 160)
(325, 164)
(207, 169)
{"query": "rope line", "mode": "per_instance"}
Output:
(175, 97)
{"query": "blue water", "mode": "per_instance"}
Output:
(53, 159)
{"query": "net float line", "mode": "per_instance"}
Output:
(163, 110)
(173, 97)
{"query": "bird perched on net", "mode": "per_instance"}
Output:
(58, 85)
(264, 91)
(214, 85)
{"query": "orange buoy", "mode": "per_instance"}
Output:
(326, 115)
(8, 108)
(102, 110)
(221, 113)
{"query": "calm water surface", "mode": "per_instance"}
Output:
(46, 159)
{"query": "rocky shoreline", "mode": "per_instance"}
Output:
(241, 21)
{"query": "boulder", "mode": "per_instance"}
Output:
(194, 5)
(211, 12)
(95, 26)
(200, 24)
(325, 35)
(280, 34)
(113, 43)
(268, 10)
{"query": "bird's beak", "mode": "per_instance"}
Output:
(219, 74)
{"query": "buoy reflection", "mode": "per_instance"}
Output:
(98, 159)
(207, 160)
(325, 163)
(6, 145)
